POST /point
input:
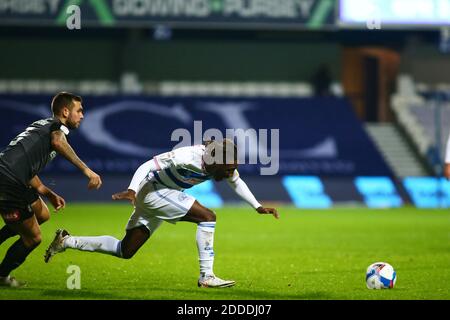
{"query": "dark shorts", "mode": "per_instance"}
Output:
(15, 200)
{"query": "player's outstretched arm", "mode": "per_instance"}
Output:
(57, 201)
(241, 189)
(125, 195)
(140, 174)
(157, 163)
(60, 145)
(164, 161)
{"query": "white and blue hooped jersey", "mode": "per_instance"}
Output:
(183, 168)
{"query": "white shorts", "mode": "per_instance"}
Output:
(156, 203)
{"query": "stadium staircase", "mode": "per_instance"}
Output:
(395, 150)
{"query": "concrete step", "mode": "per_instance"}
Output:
(397, 153)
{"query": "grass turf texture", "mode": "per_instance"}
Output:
(307, 254)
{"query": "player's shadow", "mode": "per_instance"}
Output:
(78, 294)
(237, 293)
(204, 294)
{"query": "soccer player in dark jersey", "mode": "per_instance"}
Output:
(21, 205)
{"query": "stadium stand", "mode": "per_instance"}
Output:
(130, 84)
(423, 111)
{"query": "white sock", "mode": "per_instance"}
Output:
(205, 245)
(103, 244)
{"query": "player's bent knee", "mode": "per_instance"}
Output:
(210, 216)
(43, 216)
(32, 242)
(133, 240)
(36, 240)
(41, 211)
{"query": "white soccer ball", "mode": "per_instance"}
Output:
(380, 275)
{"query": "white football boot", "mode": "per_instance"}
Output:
(57, 245)
(11, 282)
(211, 281)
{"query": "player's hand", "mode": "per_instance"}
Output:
(95, 182)
(125, 195)
(56, 201)
(447, 171)
(272, 211)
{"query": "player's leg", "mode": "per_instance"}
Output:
(30, 238)
(6, 232)
(205, 220)
(125, 248)
(156, 204)
(139, 228)
(41, 212)
(198, 214)
(63, 240)
(133, 241)
(136, 235)
(206, 223)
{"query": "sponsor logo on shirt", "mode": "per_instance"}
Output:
(12, 216)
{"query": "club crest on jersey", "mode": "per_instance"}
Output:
(182, 197)
(12, 216)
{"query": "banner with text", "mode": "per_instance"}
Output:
(200, 13)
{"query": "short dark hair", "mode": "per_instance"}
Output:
(229, 149)
(226, 149)
(63, 99)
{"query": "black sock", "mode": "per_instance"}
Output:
(15, 256)
(6, 232)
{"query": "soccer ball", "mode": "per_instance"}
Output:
(380, 275)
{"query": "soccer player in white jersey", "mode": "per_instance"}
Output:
(156, 191)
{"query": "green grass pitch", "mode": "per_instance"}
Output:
(306, 254)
